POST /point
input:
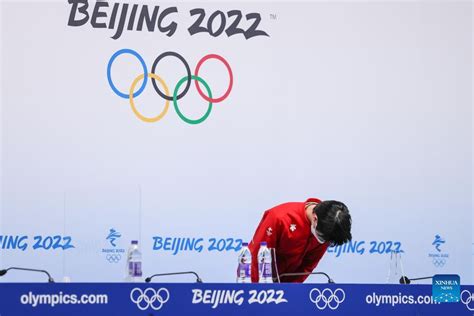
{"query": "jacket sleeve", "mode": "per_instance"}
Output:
(310, 261)
(268, 230)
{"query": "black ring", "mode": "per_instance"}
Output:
(188, 70)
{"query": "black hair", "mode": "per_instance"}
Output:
(334, 222)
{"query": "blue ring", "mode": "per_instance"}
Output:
(145, 72)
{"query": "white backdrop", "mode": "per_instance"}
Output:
(368, 103)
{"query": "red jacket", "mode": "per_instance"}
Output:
(287, 229)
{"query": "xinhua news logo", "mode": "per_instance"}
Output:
(446, 288)
(163, 90)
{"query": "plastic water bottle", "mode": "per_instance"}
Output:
(134, 263)
(245, 265)
(264, 264)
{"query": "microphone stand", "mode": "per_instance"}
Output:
(198, 279)
(50, 279)
(405, 280)
(308, 273)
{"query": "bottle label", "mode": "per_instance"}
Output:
(244, 270)
(265, 270)
(135, 269)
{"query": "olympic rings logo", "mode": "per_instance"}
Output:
(149, 298)
(467, 299)
(132, 94)
(113, 258)
(439, 263)
(327, 298)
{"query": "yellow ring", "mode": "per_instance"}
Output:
(132, 104)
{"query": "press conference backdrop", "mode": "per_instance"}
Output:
(364, 102)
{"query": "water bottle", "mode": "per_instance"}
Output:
(134, 262)
(395, 268)
(264, 264)
(245, 265)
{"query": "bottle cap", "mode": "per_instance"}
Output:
(245, 244)
(134, 242)
(263, 243)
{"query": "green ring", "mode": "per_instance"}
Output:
(175, 100)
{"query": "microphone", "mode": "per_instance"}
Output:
(307, 273)
(4, 271)
(198, 279)
(405, 280)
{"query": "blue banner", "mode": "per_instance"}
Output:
(226, 299)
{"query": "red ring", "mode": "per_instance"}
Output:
(226, 94)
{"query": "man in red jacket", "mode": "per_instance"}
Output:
(300, 233)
